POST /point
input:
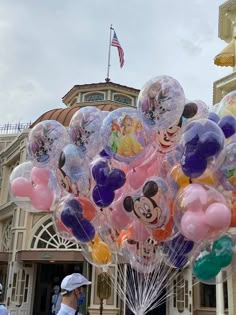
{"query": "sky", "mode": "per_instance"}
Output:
(48, 46)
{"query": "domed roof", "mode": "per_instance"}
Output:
(64, 115)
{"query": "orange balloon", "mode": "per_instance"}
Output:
(123, 236)
(162, 234)
(233, 210)
(89, 210)
(101, 253)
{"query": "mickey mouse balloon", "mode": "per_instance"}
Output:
(161, 102)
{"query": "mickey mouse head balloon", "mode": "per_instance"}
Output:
(149, 204)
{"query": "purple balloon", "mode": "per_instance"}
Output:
(209, 144)
(100, 171)
(180, 245)
(193, 165)
(71, 211)
(228, 125)
(83, 230)
(214, 117)
(102, 196)
(178, 261)
(116, 179)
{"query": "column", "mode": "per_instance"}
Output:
(219, 295)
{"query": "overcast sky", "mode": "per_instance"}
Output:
(48, 46)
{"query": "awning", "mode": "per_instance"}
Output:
(226, 58)
(49, 255)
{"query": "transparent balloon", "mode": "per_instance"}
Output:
(77, 214)
(161, 102)
(97, 252)
(126, 138)
(201, 213)
(201, 143)
(85, 130)
(32, 188)
(212, 262)
(149, 204)
(73, 171)
(226, 167)
(227, 105)
(45, 142)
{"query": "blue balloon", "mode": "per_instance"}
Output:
(100, 171)
(103, 196)
(193, 165)
(116, 179)
(209, 144)
(83, 230)
(228, 125)
(214, 117)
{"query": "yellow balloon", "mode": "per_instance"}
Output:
(101, 253)
(179, 177)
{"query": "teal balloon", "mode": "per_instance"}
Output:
(225, 259)
(223, 250)
(224, 242)
(206, 267)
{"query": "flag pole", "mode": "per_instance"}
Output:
(109, 55)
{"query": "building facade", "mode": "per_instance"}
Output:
(33, 257)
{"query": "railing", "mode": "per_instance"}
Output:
(13, 128)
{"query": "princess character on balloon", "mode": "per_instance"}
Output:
(128, 145)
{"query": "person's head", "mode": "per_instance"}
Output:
(56, 289)
(154, 89)
(72, 288)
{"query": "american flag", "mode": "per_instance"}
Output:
(115, 42)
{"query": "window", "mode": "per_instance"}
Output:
(180, 294)
(20, 287)
(119, 98)
(94, 97)
(207, 295)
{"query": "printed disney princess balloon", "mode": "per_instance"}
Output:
(125, 135)
(227, 105)
(161, 102)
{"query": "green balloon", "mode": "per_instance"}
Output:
(206, 267)
(223, 250)
(224, 242)
(225, 259)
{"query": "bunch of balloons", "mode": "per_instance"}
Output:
(156, 182)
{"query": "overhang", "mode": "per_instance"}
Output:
(49, 256)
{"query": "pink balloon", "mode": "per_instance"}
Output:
(42, 197)
(119, 219)
(138, 231)
(218, 215)
(136, 177)
(21, 187)
(40, 175)
(194, 196)
(193, 226)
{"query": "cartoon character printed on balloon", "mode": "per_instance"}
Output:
(128, 144)
(167, 138)
(145, 208)
(161, 102)
(42, 145)
(73, 171)
(153, 107)
(141, 255)
(80, 135)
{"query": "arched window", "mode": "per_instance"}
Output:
(46, 237)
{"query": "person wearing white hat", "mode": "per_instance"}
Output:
(3, 309)
(71, 291)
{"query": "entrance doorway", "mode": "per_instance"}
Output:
(49, 275)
